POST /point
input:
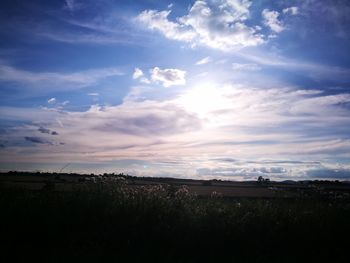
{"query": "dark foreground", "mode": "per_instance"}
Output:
(109, 221)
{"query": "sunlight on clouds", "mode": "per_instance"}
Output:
(219, 25)
(271, 20)
(137, 73)
(203, 99)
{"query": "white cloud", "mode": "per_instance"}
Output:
(93, 94)
(137, 73)
(245, 66)
(159, 20)
(270, 19)
(293, 10)
(203, 61)
(168, 77)
(51, 101)
(218, 24)
(222, 121)
(145, 80)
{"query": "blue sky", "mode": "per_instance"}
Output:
(228, 89)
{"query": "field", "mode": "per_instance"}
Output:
(117, 218)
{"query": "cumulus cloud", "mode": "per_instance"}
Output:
(137, 73)
(216, 24)
(293, 10)
(203, 61)
(158, 20)
(168, 77)
(270, 19)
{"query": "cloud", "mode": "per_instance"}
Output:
(270, 19)
(37, 140)
(158, 20)
(203, 61)
(216, 24)
(168, 77)
(230, 130)
(137, 73)
(47, 131)
(245, 67)
(55, 80)
(343, 174)
(72, 5)
(293, 10)
(93, 94)
(145, 80)
(51, 101)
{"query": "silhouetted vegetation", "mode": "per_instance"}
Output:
(108, 219)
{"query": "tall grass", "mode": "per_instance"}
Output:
(109, 221)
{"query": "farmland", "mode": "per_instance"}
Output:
(118, 218)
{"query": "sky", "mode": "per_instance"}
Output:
(212, 89)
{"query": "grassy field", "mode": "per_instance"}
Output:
(116, 220)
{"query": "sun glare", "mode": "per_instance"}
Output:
(203, 99)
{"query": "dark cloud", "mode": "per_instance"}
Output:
(246, 172)
(170, 120)
(329, 173)
(36, 140)
(44, 130)
(228, 160)
(47, 131)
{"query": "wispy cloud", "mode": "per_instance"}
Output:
(72, 5)
(55, 80)
(314, 70)
(203, 61)
(245, 67)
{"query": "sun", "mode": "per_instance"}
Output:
(204, 99)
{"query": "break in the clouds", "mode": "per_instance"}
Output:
(229, 89)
